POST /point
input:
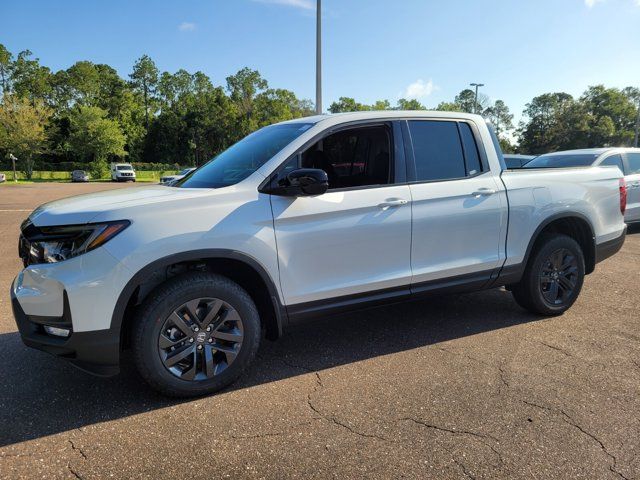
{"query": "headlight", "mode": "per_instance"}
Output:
(55, 244)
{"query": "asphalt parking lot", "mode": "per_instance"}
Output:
(466, 386)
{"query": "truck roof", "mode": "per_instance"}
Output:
(336, 118)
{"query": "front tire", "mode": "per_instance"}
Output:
(195, 334)
(553, 277)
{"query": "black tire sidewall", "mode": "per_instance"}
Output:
(535, 299)
(170, 296)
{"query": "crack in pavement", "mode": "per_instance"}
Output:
(614, 460)
(84, 457)
(329, 418)
(570, 421)
(73, 447)
(502, 379)
(74, 473)
(465, 472)
(557, 349)
(482, 436)
(501, 371)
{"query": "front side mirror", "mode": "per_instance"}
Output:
(308, 181)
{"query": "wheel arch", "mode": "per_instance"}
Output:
(573, 224)
(239, 267)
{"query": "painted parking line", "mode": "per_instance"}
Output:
(18, 210)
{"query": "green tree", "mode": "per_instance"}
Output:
(633, 94)
(466, 100)
(6, 63)
(413, 104)
(381, 105)
(30, 79)
(611, 116)
(500, 117)
(553, 121)
(22, 129)
(95, 138)
(144, 80)
(347, 104)
(243, 88)
(449, 107)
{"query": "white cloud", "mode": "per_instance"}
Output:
(592, 3)
(304, 4)
(187, 27)
(419, 89)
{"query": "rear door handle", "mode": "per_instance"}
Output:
(392, 203)
(483, 192)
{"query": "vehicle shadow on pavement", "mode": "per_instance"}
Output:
(42, 395)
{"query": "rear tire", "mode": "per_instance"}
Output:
(553, 277)
(195, 334)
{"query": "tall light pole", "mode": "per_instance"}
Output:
(635, 140)
(319, 57)
(477, 85)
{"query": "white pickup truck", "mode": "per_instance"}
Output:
(304, 219)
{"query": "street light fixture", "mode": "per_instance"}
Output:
(13, 160)
(477, 85)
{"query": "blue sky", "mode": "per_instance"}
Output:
(374, 49)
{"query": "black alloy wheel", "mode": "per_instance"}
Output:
(200, 339)
(559, 276)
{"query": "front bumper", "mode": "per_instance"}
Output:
(96, 352)
(78, 294)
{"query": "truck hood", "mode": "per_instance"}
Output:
(85, 208)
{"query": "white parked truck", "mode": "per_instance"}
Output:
(304, 219)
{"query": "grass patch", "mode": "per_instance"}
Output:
(49, 176)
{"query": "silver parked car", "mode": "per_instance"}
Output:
(169, 179)
(626, 159)
(79, 176)
(517, 161)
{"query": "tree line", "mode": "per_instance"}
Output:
(87, 115)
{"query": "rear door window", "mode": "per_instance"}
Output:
(443, 150)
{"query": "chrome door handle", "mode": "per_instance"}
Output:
(635, 185)
(482, 192)
(392, 203)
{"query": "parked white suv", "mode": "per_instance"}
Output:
(122, 172)
(304, 219)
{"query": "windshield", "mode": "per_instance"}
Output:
(560, 160)
(124, 167)
(245, 157)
